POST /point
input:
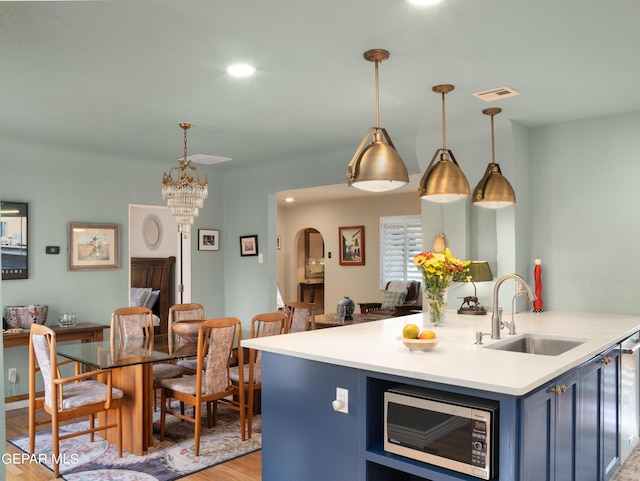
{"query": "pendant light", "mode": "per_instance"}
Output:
(443, 181)
(185, 194)
(493, 191)
(377, 167)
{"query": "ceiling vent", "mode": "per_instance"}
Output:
(496, 94)
(206, 159)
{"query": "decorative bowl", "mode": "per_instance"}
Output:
(418, 344)
(188, 329)
(22, 317)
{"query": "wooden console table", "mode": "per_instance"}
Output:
(85, 332)
(328, 320)
(311, 286)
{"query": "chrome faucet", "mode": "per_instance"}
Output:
(496, 318)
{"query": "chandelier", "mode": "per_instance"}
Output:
(187, 193)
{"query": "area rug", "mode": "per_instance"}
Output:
(165, 461)
(630, 469)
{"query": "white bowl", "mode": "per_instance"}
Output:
(418, 344)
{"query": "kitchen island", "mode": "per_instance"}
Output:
(301, 372)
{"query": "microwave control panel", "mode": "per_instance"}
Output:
(479, 443)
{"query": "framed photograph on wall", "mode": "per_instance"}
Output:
(93, 247)
(14, 240)
(208, 240)
(352, 245)
(249, 245)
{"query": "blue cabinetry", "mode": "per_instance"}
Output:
(549, 431)
(570, 427)
(303, 437)
(599, 417)
(566, 430)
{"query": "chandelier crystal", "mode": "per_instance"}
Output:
(187, 193)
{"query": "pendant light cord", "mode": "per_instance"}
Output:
(444, 126)
(185, 145)
(377, 98)
(493, 142)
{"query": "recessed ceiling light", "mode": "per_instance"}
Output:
(241, 70)
(289, 199)
(423, 3)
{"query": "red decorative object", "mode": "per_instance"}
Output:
(537, 274)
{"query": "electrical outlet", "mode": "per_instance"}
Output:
(13, 374)
(341, 404)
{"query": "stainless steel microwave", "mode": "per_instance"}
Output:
(452, 431)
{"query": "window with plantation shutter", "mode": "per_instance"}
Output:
(400, 241)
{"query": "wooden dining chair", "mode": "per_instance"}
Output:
(136, 323)
(211, 383)
(262, 325)
(299, 317)
(67, 397)
(179, 313)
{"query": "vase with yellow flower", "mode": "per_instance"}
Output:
(439, 270)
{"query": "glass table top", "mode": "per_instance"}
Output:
(104, 355)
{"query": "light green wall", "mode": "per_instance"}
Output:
(585, 221)
(250, 208)
(63, 185)
(575, 182)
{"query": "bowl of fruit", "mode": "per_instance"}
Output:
(416, 340)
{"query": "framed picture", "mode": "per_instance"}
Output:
(93, 247)
(352, 245)
(14, 240)
(249, 245)
(208, 240)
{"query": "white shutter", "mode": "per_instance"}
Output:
(400, 241)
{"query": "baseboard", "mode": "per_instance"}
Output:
(16, 405)
(18, 402)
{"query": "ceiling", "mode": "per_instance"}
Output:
(118, 76)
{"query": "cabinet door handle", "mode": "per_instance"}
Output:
(557, 390)
(605, 360)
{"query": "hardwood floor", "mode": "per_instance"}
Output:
(244, 468)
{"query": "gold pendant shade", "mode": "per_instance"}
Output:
(443, 181)
(377, 167)
(493, 191)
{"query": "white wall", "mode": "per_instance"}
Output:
(361, 283)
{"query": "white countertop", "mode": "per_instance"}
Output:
(457, 360)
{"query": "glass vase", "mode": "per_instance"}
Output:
(436, 304)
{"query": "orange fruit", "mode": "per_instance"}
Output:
(410, 331)
(428, 334)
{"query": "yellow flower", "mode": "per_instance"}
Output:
(439, 270)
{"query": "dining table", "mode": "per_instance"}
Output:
(131, 364)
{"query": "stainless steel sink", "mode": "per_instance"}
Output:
(539, 344)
